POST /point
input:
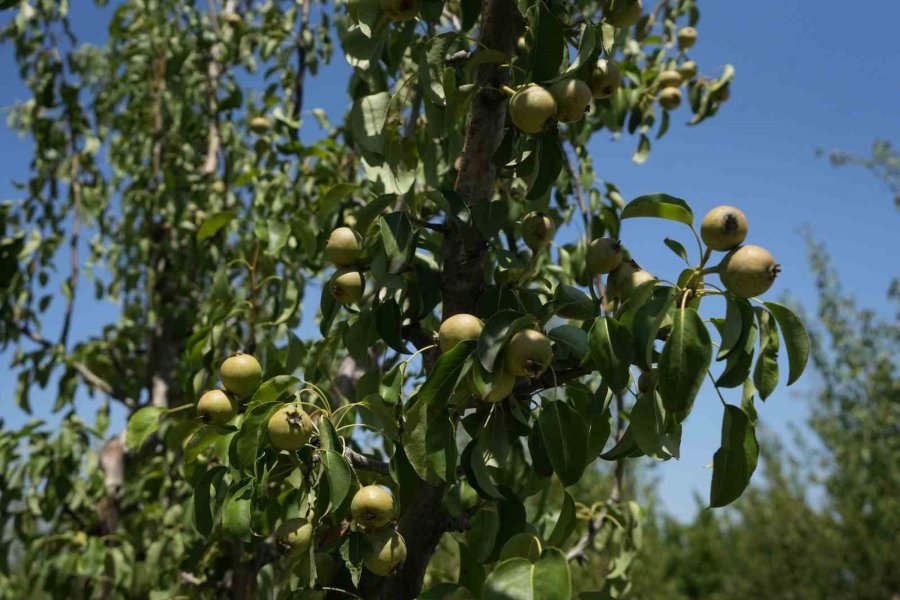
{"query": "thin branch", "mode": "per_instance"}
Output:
(74, 263)
(438, 227)
(300, 80)
(364, 463)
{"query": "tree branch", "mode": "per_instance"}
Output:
(364, 463)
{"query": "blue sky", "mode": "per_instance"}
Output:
(808, 76)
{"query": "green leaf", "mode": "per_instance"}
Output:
(684, 361)
(545, 64)
(279, 231)
(740, 360)
(328, 436)
(398, 239)
(340, 481)
(738, 320)
(796, 339)
(549, 158)
(142, 425)
(203, 511)
(571, 340)
(496, 329)
(510, 580)
(522, 545)
(649, 430)
(646, 323)
(214, 223)
(367, 120)
(677, 248)
(388, 322)
(588, 48)
(336, 194)
(565, 523)
(571, 303)
(354, 549)
(765, 375)
(565, 436)
(245, 443)
(735, 461)
(482, 535)
(445, 374)
(551, 577)
(490, 217)
(272, 389)
(203, 438)
(612, 350)
(626, 447)
(236, 509)
(659, 206)
(518, 579)
(642, 152)
(430, 443)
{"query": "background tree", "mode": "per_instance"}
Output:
(192, 201)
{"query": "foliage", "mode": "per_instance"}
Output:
(884, 163)
(822, 524)
(192, 202)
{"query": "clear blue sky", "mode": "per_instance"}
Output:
(808, 76)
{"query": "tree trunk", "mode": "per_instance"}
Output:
(462, 278)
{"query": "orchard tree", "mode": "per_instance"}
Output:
(467, 358)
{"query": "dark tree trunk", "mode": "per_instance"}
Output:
(462, 279)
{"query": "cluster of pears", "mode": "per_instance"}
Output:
(241, 375)
(746, 271)
(344, 249)
(290, 428)
(534, 108)
(372, 510)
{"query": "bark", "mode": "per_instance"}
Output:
(463, 275)
(465, 248)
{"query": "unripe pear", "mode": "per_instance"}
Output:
(723, 228)
(289, 428)
(623, 13)
(573, 98)
(688, 69)
(538, 230)
(687, 37)
(605, 79)
(669, 98)
(457, 329)
(295, 535)
(372, 507)
(621, 282)
(344, 247)
(347, 286)
(603, 255)
(259, 125)
(215, 407)
(533, 109)
(217, 187)
(401, 10)
(388, 552)
(528, 353)
(748, 271)
(669, 78)
(241, 374)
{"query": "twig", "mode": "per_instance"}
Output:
(364, 463)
